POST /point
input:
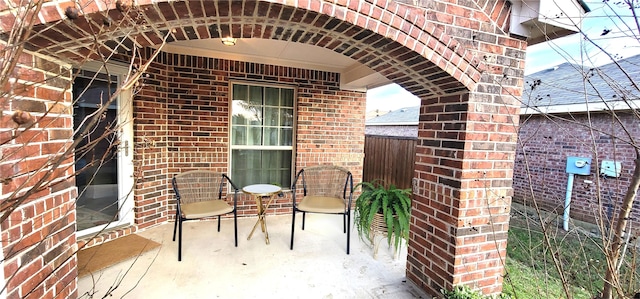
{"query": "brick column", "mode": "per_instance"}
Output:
(37, 190)
(464, 166)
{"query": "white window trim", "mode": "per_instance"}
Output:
(293, 145)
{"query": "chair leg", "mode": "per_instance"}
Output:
(344, 223)
(218, 223)
(304, 214)
(175, 225)
(348, 231)
(293, 226)
(235, 226)
(180, 240)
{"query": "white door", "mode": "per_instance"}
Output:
(104, 156)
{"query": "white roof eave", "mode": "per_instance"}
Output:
(618, 105)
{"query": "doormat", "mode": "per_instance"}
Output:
(94, 259)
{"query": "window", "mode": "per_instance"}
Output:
(262, 133)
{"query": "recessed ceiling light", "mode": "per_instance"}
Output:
(229, 41)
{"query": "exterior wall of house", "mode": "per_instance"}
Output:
(37, 194)
(182, 118)
(542, 156)
(456, 57)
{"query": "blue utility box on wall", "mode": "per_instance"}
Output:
(579, 165)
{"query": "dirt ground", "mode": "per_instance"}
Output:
(526, 216)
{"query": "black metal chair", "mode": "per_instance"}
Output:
(327, 189)
(196, 199)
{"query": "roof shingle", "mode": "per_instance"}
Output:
(574, 84)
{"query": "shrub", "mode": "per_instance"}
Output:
(465, 292)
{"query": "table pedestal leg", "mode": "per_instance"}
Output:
(261, 219)
(254, 228)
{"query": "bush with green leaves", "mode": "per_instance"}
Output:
(465, 292)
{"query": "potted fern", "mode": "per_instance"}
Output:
(379, 205)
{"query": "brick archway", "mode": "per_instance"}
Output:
(456, 58)
(400, 44)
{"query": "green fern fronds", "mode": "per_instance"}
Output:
(393, 203)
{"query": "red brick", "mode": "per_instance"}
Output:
(547, 151)
(316, 124)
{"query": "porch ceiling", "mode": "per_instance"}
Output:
(353, 75)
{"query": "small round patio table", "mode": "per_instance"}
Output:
(260, 192)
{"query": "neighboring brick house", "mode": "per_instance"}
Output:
(568, 111)
(461, 59)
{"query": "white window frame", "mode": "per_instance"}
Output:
(292, 147)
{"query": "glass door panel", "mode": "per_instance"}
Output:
(98, 155)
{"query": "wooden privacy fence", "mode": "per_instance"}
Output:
(389, 158)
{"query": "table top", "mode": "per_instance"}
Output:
(261, 189)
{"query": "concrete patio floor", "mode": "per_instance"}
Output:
(211, 267)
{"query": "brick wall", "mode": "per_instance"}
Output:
(454, 55)
(542, 155)
(151, 135)
(465, 153)
(37, 191)
(182, 123)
